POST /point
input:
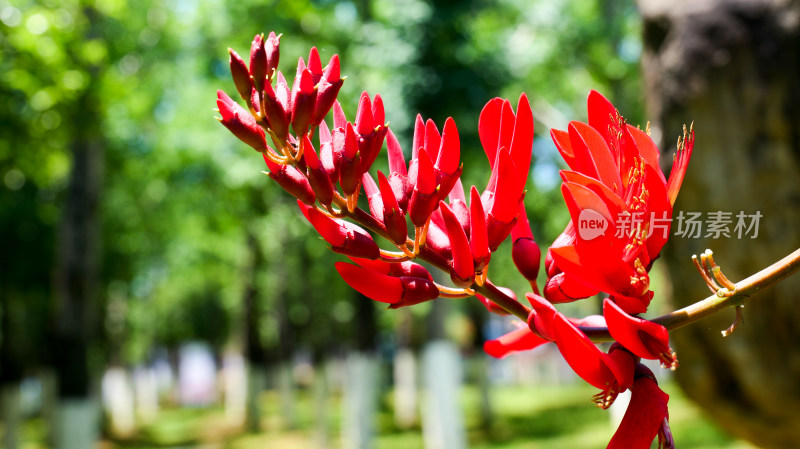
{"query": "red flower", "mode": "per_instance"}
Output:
(615, 179)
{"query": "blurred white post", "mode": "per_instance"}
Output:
(234, 374)
(11, 414)
(76, 423)
(145, 386)
(360, 397)
(405, 388)
(321, 404)
(287, 396)
(442, 422)
(118, 401)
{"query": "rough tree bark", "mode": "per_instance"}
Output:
(733, 68)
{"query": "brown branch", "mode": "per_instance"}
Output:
(745, 289)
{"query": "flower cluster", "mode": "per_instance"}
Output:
(421, 208)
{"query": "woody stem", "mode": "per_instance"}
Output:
(745, 289)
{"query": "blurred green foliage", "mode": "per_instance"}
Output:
(181, 195)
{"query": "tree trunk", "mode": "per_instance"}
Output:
(254, 350)
(77, 280)
(733, 67)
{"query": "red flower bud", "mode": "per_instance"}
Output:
(317, 175)
(239, 121)
(407, 268)
(524, 251)
(374, 198)
(393, 217)
(350, 169)
(327, 90)
(397, 291)
(423, 198)
(398, 175)
(479, 238)
(343, 236)
(303, 98)
(258, 61)
(291, 180)
(273, 50)
(463, 265)
(314, 65)
(276, 113)
(241, 76)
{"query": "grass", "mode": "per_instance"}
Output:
(532, 417)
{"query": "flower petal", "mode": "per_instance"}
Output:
(522, 339)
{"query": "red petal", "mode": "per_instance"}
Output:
(522, 141)
(426, 178)
(332, 72)
(588, 362)
(378, 114)
(507, 194)
(450, 152)
(647, 149)
(463, 266)
(644, 338)
(479, 237)
(561, 139)
(339, 119)
(315, 64)
(377, 286)
(521, 339)
(542, 316)
(433, 140)
(415, 291)
(419, 137)
(393, 217)
(364, 123)
(423, 198)
(563, 288)
(679, 166)
(350, 170)
(397, 162)
(584, 136)
(317, 175)
(646, 412)
(489, 128)
(603, 116)
(374, 197)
